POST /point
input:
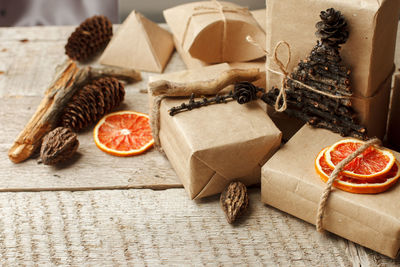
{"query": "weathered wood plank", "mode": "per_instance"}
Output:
(146, 227)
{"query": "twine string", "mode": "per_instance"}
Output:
(328, 188)
(285, 75)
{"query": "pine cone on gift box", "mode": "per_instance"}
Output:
(92, 102)
(332, 29)
(90, 37)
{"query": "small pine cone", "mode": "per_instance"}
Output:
(245, 92)
(90, 37)
(332, 29)
(58, 145)
(92, 102)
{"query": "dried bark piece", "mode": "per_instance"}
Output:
(89, 38)
(234, 200)
(58, 145)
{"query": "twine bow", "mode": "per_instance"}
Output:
(283, 67)
(333, 177)
(202, 10)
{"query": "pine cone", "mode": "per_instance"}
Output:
(245, 92)
(333, 28)
(92, 102)
(89, 38)
(58, 145)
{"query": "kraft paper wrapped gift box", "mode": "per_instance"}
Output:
(290, 183)
(210, 146)
(194, 63)
(215, 31)
(369, 51)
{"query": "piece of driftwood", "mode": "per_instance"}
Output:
(210, 87)
(69, 78)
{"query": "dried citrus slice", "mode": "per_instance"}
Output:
(349, 184)
(372, 163)
(123, 133)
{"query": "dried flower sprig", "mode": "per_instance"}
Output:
(243, 92)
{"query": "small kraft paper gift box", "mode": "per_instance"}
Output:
(368, 52)
(211, 146)
(215, 31)
(290, 183)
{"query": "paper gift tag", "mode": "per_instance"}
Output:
(139, 44)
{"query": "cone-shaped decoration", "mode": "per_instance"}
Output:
(332, 29)
(89, 38)
(92, 102)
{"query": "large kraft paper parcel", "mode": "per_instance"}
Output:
(215, 31)
(369, 51)
(210, 146)
(290, 183)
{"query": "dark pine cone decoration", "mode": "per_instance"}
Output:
(332, 29)
(92, 102)
(245, 92)
(89, 38)
(58, 145)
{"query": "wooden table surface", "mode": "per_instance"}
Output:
(104, 210)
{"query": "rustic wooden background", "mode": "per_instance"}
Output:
(147, 219)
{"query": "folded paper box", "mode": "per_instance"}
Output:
(210, 146)
(369, 51)
(139, 44)
(290, 183)
(194, 63)
(215, 31)
(393, 134)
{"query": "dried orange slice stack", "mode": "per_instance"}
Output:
(123, 133)
(373, 171)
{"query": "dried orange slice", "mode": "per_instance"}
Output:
(123, 133)
(349, 184)
(372, 163)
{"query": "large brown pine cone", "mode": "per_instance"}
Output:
(332, 29)
(90, 37)
(92, 102)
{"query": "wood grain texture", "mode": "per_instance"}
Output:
(145, 227)
(134, 226)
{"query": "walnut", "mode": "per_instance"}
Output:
(234, 200)
(58, 145)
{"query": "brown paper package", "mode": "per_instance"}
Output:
(212, 145)
(369, 51)
(139, 44)
(202, 30)
(393, 134)
(290, 183)
(372, 113)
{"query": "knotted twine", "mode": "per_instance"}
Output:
(283, 67)
(203, 10)
(328, 188)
